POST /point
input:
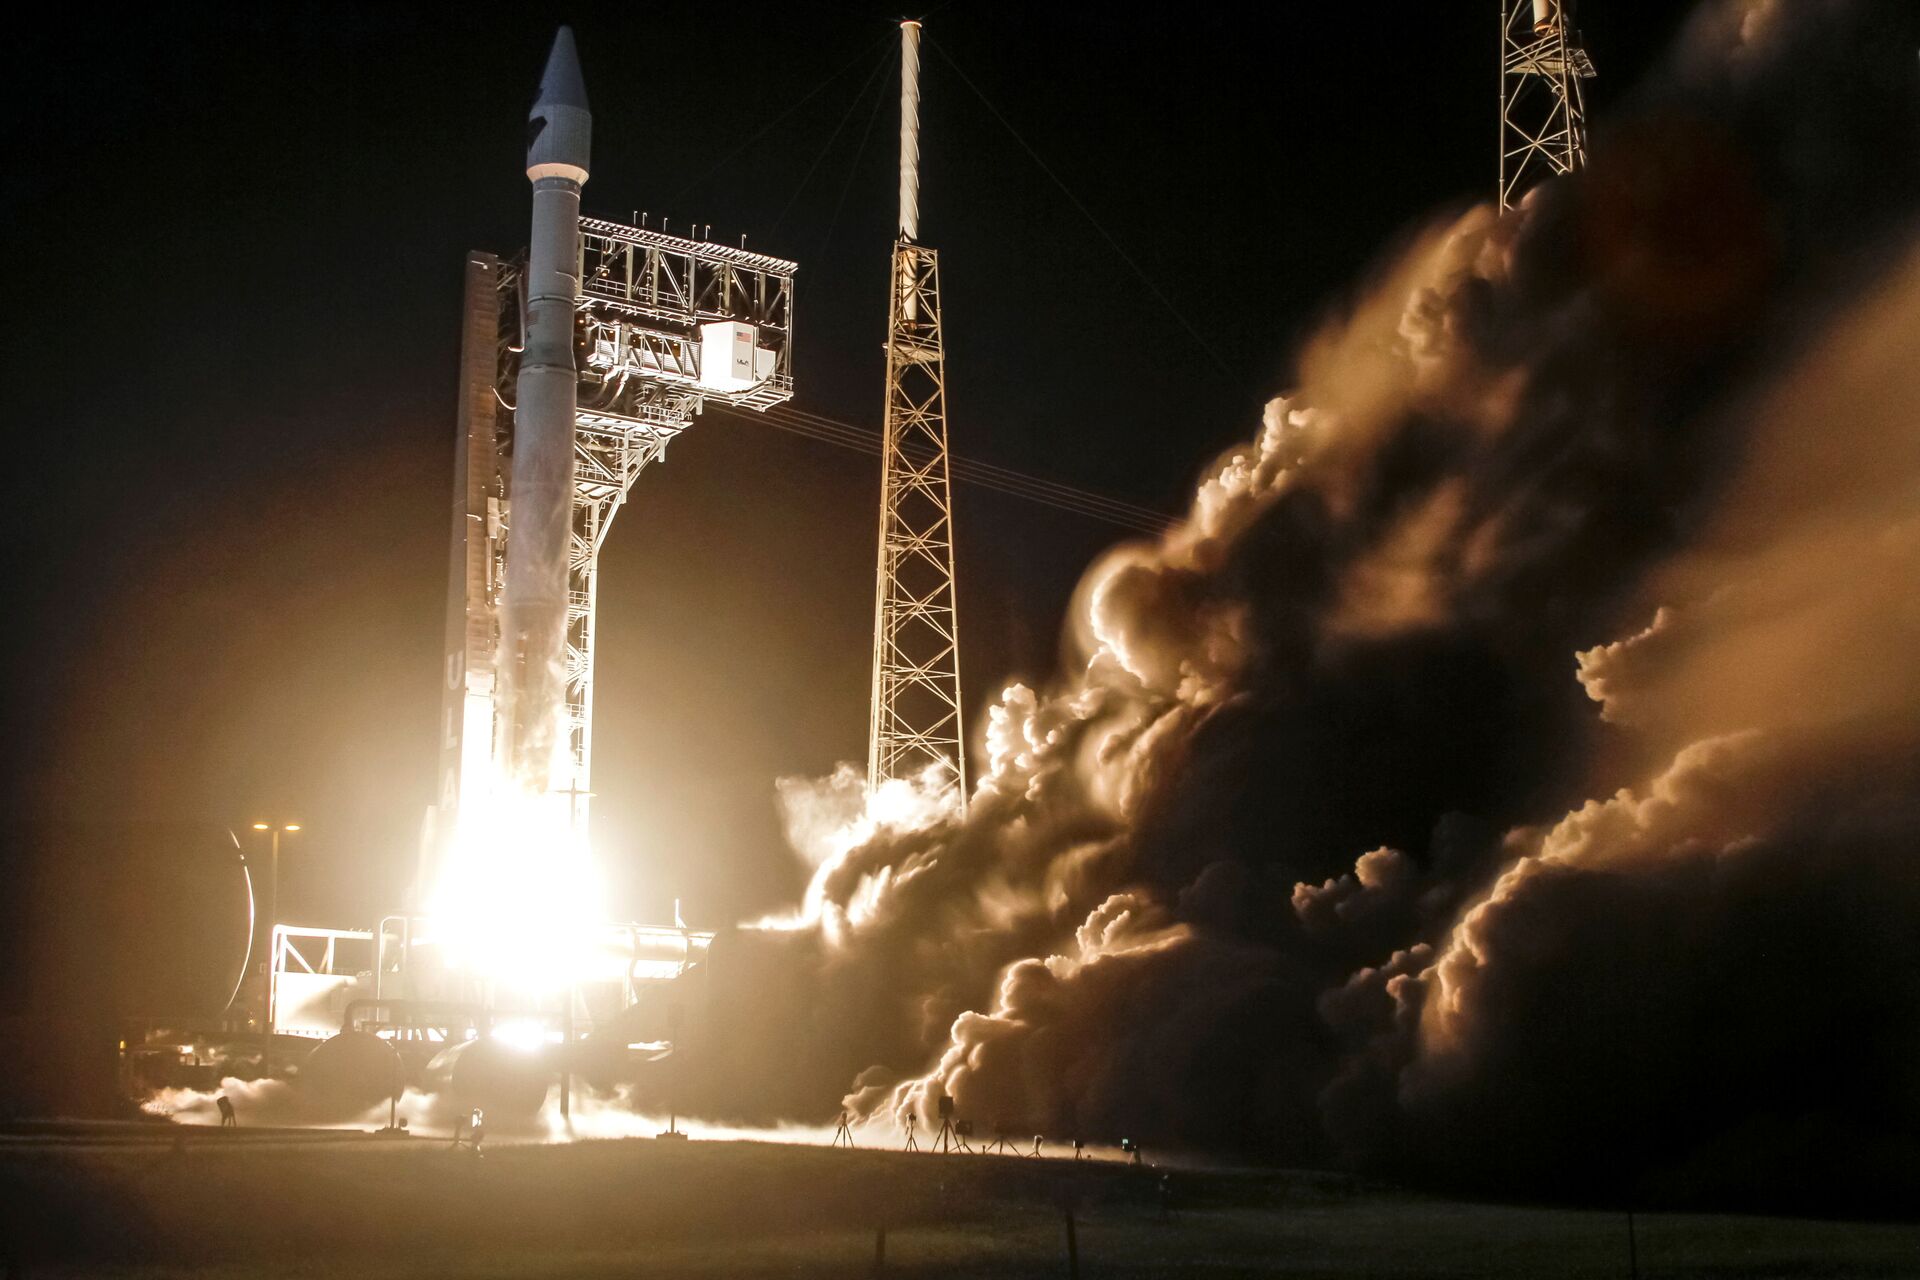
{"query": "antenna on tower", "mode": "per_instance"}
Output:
(1543, 112)
(915, 725)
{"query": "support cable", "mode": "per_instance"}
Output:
(832, 138)
(1085, 212)
(1001, 479)
(985, 471)
(1004, 480)
(769, 127)
(853, 169)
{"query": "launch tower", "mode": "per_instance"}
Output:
(661, 326)
(916, 726)
(1543, 114)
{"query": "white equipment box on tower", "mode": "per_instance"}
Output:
(731, 358)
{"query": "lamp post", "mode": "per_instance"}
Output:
(273, 959)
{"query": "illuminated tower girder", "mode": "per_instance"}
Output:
(916, 652)
(916, 728)
(1543, 114)
(651, 307)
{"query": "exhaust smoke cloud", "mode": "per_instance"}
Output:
(1509, 771)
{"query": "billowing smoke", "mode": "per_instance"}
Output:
(1509, 771)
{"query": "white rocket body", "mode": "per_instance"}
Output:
(534, 608)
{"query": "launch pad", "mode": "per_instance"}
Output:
(582, 359)
(396, 980)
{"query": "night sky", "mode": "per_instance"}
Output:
(236, 270)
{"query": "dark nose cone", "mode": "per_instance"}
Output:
(560, 127)
(562, 85)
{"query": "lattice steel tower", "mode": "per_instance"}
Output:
(916, 725)
(1543, 113)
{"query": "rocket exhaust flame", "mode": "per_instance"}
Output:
(519, 900)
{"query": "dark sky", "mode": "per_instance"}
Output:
(231, 349)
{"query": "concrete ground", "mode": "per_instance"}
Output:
(149, 1201)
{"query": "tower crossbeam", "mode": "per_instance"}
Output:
(1543, 114)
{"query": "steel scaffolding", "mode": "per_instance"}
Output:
(645, 298)
(916, 728)
(1543, 114)
(916, 651)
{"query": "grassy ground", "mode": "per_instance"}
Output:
(214, 1206)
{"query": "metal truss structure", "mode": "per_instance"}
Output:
(1543, 115)
(647, 302)
(916, 720)
(664, 325)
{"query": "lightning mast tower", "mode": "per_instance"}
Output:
(915, 726)
(1543, 113)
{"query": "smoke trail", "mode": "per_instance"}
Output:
(1302, 857)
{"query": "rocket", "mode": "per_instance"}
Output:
(540, 493)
